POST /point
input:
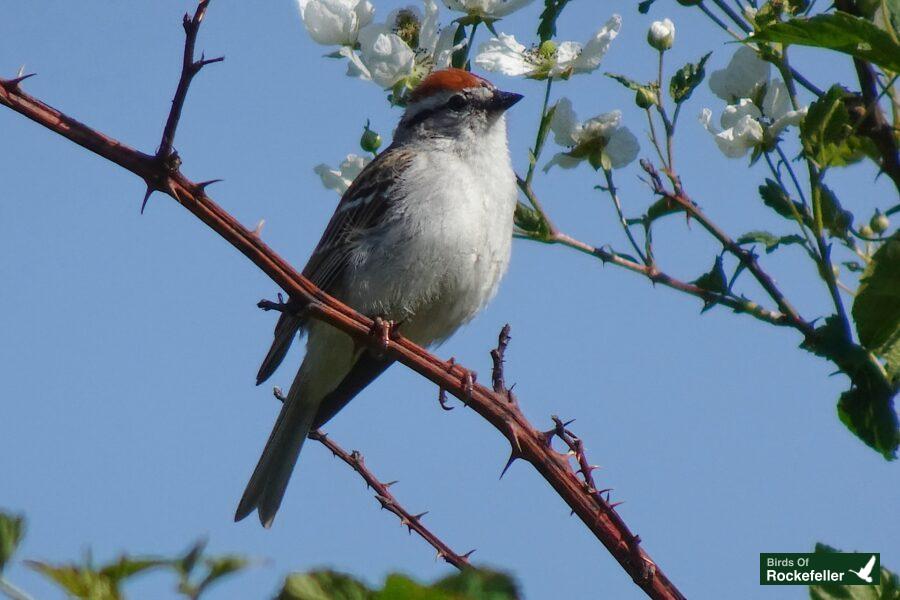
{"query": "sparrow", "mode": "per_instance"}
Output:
(422, 238)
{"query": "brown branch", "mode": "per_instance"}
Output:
(747, 258)
(527, 443)
(387, 500)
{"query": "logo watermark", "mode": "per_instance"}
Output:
(794, 568)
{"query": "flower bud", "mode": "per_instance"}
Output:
(370, 140)
(645, 97)
(879, 222)
(866, 231)
(661, 35)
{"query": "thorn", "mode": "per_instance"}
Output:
(605, 491)
(512, 458)
(200, 188)
(615, 504)
(384, 501)
(567, 423)
(440, 555)
(14, 82)
(259, 227)
(21, 71)
(468, 554)
(389, 484)
(146, 197)
(279, 395)
(442, 399)
(419, 516)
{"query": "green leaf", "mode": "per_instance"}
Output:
(12, 530)
(661, 208)
(127, 567)
(686, 79)
(644, 6)
(80, 582)
(887, 589)
(714, 281)
(481, 584)
(837, 31)
(631, 84)
(828, 134)
(221, 566)
(770, 241)
(867, 408)
(837, 220)
(323, 585)
(775, 198)
(547, 26)
(530, 221)
(876, 308)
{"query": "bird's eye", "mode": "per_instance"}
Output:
(457, 103)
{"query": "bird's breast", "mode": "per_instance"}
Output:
(443, 248)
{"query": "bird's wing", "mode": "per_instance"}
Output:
(361, 207)
(867, 570)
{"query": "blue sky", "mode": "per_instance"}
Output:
(130, 343)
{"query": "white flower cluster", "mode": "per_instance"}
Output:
(758, 109)
(402, 50)
(504, 54)
(340, 179)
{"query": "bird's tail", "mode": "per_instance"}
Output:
(269, 481)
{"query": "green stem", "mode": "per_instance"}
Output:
(541, 135)
(469, 44)
(613, 193)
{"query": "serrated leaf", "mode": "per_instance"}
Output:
(220, 567)
(323, 585)
(887, 589)
(80, 582)
(12, 530)
(686, 79)
(714, 281)
(481, 584)
(661, 208)
(775, 198)
(770, 241)
(631, 84)
(547, 26)
(828, 134)
(834, 217)
(867, 408)
(876, 307)
(837, 31)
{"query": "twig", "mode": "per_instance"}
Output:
(527, 443)
(747, 258)
(387, 500)
(12, 592)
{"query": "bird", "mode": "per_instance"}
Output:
(866, 572)
(421, 238)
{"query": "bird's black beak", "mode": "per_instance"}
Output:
(504, 100)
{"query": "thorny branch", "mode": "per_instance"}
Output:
(387, 499)
(527, 442)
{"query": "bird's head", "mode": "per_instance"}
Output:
(455, 104)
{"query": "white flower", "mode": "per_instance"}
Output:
(340, 179)
(504, 54)
(489, 9)
(335, 22)
(661, 34)
(602, 141)
(744, 77)
(746, 126)
(404, 49)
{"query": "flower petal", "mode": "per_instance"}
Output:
(564, 125)
(735, 112)
(386, 56)
(564, 160)
(777, 101)
(622, 148)
(745, 74)
(597, 46)
(504, 55)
